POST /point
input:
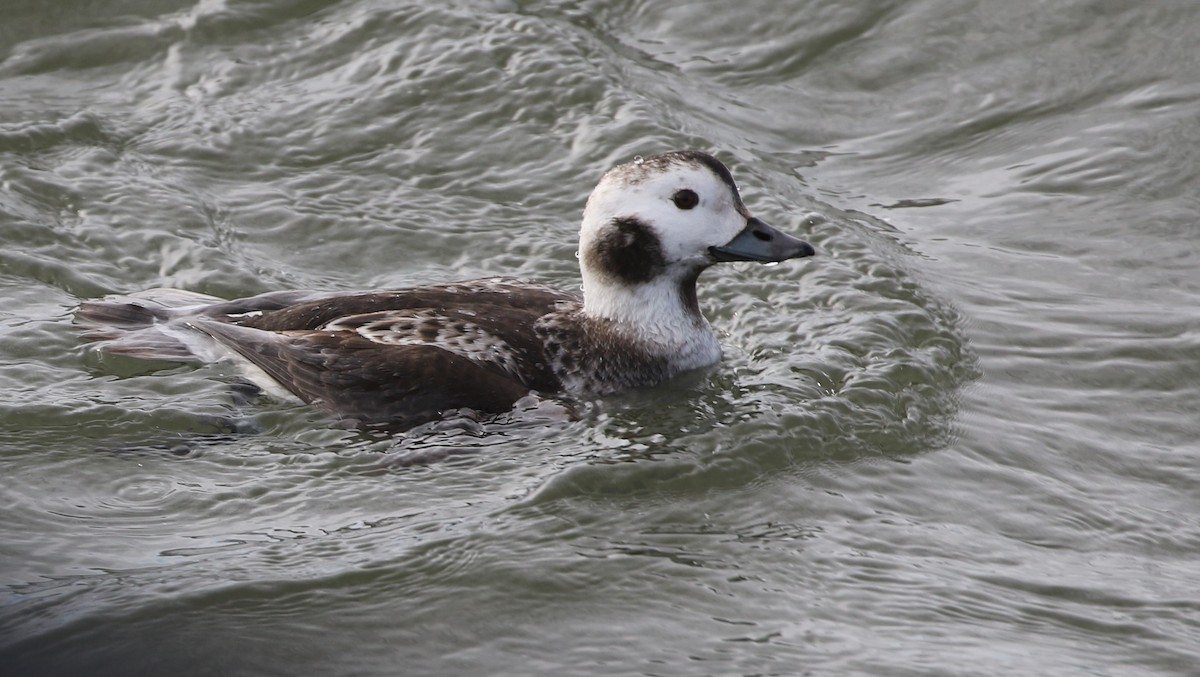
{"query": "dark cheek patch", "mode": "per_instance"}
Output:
(628, 251)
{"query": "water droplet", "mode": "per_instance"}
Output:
(638, 160)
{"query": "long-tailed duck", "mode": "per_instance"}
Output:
(398, 358)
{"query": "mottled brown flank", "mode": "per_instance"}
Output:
(404, 384)
(392, 387)
(595, 356)
(626, 250)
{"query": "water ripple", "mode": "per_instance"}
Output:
(962, 434)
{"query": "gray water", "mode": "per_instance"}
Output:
(962, 439)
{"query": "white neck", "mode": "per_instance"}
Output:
(653, 314)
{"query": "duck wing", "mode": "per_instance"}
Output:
(399, 357)
(367, 382)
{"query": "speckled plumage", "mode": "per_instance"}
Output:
(397, 358)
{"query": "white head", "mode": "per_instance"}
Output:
(652, 226)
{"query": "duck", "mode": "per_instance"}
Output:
(397, 358)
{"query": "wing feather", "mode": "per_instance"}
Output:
(396, 386)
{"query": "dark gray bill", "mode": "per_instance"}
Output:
(760, 242)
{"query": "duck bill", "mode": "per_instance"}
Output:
(762, 243)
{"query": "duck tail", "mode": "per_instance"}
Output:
(143, 324)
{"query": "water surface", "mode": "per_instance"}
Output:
(960, 440)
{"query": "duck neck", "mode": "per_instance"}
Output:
(662, 313)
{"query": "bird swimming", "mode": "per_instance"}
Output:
(394, 359)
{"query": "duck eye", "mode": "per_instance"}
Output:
(685, 199)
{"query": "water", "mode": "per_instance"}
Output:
(961, 440)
